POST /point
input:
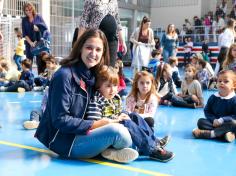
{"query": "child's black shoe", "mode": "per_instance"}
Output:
(164, 141)
(162, 155)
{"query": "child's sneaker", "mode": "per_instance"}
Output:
(21, 90)
(124, 155)
(162, 155)
(204, 134)
(2, 89)
(229, 137)
(38, 88)
(30, 125)
(164, 141)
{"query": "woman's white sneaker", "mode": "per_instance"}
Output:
(30, 125)
(124, 155)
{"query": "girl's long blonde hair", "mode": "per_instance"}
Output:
(134, 91)
(229, 58)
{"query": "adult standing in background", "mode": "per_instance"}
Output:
(143, 43)
(33, 27)
(224, 42)
(103, 15)
(169, 42)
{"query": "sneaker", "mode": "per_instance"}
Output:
(30, 125)
(164, 141)
(162, 155)
(21, 90)
(38, 88)
(2, 89)
(124, 155)
(204, 134)
(229, 137)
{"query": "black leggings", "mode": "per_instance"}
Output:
(205, 124)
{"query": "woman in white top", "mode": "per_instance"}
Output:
(143, 43)
(226, 39)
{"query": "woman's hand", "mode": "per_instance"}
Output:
(103, 122)
(100, 123)
(32, 44)
(36, 29)
(123, 116)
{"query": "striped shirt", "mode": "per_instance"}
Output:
(100, 107)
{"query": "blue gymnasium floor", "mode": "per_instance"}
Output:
(21, 154)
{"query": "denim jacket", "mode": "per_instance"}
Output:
(63, 118)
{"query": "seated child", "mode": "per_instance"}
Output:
(3, 72)
(196, 57)
(122, 85)
(173, 61)
(202, 74)
(188, 46)
(191, 95)
(25, 82)
(220, 111)
(143, 98)
(230, 60)
(154, 62)
(44, 78)
(205, 51)
(107, 104)
(165, 86)
(11, 74)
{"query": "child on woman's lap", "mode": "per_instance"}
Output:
(106, 104)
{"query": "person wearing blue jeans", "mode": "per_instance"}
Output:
(169, 43)
(63, 127)
(96, 141)
(143, 137)
(106, 104)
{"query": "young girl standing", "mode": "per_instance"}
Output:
(230, 61)
(143, 98)
(220, 111)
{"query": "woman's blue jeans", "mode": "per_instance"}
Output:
(96, 141)
(168, 53)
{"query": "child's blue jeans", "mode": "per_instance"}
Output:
(142, 135)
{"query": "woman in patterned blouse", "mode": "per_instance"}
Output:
(103, 15)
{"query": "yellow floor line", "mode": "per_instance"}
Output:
(147, 172)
